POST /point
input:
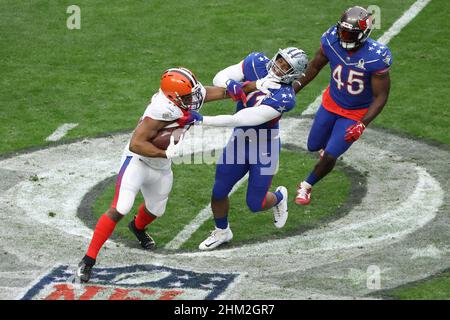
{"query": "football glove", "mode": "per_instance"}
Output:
(267, 83)
(354, 132)
(174, 150)
(191, 117)
(235, 91)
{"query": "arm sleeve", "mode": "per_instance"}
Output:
(246, 117)
(233, 72)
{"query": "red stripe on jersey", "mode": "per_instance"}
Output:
(331, 105)
(382, 71)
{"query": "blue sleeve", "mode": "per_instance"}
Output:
(282, 100)
(384, 62)
(254, 66)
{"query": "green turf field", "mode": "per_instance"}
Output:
(435, 288)
(103, 75)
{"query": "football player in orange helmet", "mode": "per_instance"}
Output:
(181, 87)
(147, 168)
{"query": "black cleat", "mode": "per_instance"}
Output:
(85, 269)
(143, 237)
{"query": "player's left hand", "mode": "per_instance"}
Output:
(192, 117)
(235, 91)
(174, 150)
(354, 132)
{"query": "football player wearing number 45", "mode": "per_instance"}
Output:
(357, 93)
(147, 168)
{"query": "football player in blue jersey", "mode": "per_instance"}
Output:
(358, 91)
(254, 145)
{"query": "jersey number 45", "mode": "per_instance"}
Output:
(354, 77)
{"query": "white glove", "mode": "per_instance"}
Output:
(267, 83)
(174, 150)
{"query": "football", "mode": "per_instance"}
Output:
(162, 138)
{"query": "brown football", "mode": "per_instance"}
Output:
(162, 138)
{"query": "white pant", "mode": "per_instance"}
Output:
(155, 185)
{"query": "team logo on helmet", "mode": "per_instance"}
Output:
(181, 87)
(354, 27)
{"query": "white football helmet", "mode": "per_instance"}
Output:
(297, 60)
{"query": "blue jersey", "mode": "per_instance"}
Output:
(351, 72)
(254, 67)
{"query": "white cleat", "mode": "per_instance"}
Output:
(280, 211)
(217, 237)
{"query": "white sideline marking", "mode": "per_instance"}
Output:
(203, 215)
(394, 30)
(61, 131)
(401, 22)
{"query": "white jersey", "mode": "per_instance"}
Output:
(160, 108)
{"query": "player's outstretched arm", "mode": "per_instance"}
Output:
(233, 72)
(246, 117)
(215, 93)
(143, 134)
(320, 60)
(381, 85)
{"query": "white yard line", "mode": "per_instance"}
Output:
(61, 131)
(394, 30)
(401, 22)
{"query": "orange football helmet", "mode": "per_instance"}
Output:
(181, 87)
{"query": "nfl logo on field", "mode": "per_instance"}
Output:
(136, 282)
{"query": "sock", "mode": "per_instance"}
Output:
(306, 185)
(279, 196)
(312, 179)
(103, 230)
(221, 223)
(143, 219)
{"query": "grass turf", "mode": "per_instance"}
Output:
(189, 196)
(435, 288)
(103, 75)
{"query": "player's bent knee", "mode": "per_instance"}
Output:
(313, 146)
(114, 214)
(328, 157)
(255, 204)
(220, 191)
(157, 208)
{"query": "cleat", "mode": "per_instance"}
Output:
(217, 237)
(280, 211)
(145, 240)
(84, 269)
(303, 194)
